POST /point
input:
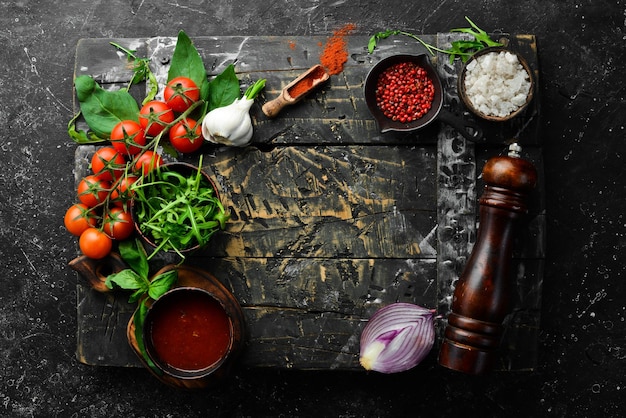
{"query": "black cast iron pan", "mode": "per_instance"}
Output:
(469, 130)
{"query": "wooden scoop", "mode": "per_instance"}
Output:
(296, 90)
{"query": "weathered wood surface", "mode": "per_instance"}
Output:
(330, 219)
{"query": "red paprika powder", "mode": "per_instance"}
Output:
(335, 55)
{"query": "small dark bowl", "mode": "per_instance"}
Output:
(386, 124)
(467, 101)
(165, 303)
(186, 170)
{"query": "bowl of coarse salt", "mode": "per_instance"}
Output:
(496, 84)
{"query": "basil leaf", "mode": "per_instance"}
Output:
(138, 319)
(135, 255)
(224, 88)
(126, 279)
(103, 109)
(187, 62)
(162, 283)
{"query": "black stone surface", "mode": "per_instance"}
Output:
(582, 354)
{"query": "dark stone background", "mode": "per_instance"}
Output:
(582, 365)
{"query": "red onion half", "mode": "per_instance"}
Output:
(397, 337)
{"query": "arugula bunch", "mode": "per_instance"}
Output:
(137, 279)
(461, 48)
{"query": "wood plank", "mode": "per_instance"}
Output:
(331, 219)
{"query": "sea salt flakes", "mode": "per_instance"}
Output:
(496, 83)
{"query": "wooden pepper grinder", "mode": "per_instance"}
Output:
(482, 297)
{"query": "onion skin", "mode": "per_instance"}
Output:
(397, 338)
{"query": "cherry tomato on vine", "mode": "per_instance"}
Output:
(180, 93)
(94, 243)
(78, 218)
(147, 162)
(186, 136)
(154, 116)
(122, 190)
(93, 190)
(107, 163)
(127, 137)
(118, 223)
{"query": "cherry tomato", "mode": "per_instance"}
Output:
(118, 224)
(92, 190)
(127, 137)
(78, 218)
(154, 117)
(122, 190)
(147, 162)
(186, 136)
(180, 93)
(107, 163)
(95, 243)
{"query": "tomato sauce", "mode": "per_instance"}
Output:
(192, 332)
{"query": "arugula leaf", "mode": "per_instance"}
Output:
(141, 72)
(187, 62)
(103, 109)
(463, 48)
(161, 284)
(224, 88)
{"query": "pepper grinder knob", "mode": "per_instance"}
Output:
(482, 296)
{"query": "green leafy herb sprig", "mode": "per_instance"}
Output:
(137, 279)
(462, 48)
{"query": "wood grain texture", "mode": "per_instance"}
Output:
(330, 219)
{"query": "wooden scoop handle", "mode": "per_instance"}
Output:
(273, 107)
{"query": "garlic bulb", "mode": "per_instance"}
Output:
(229, 125)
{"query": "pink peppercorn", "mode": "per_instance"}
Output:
(404, 92)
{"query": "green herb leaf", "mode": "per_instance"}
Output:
(134, 254)
(79, 136)
(127, 279)
(463, 49)
(162, 283)
(187, 62)
(103, 109)
(139, 319)
(224, 88)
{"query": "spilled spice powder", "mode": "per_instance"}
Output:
(335, 55)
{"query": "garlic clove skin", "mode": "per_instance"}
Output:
(229, 125)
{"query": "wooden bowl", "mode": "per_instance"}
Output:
(201, 286)
(468, 103)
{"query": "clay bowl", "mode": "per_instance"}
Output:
(436, 113)
(468, 102)
(186, 170)
(192, 335)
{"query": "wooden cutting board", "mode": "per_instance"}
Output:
(331, 219)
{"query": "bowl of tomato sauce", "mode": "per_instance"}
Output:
(191, 333)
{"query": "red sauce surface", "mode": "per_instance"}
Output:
(192, 333)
